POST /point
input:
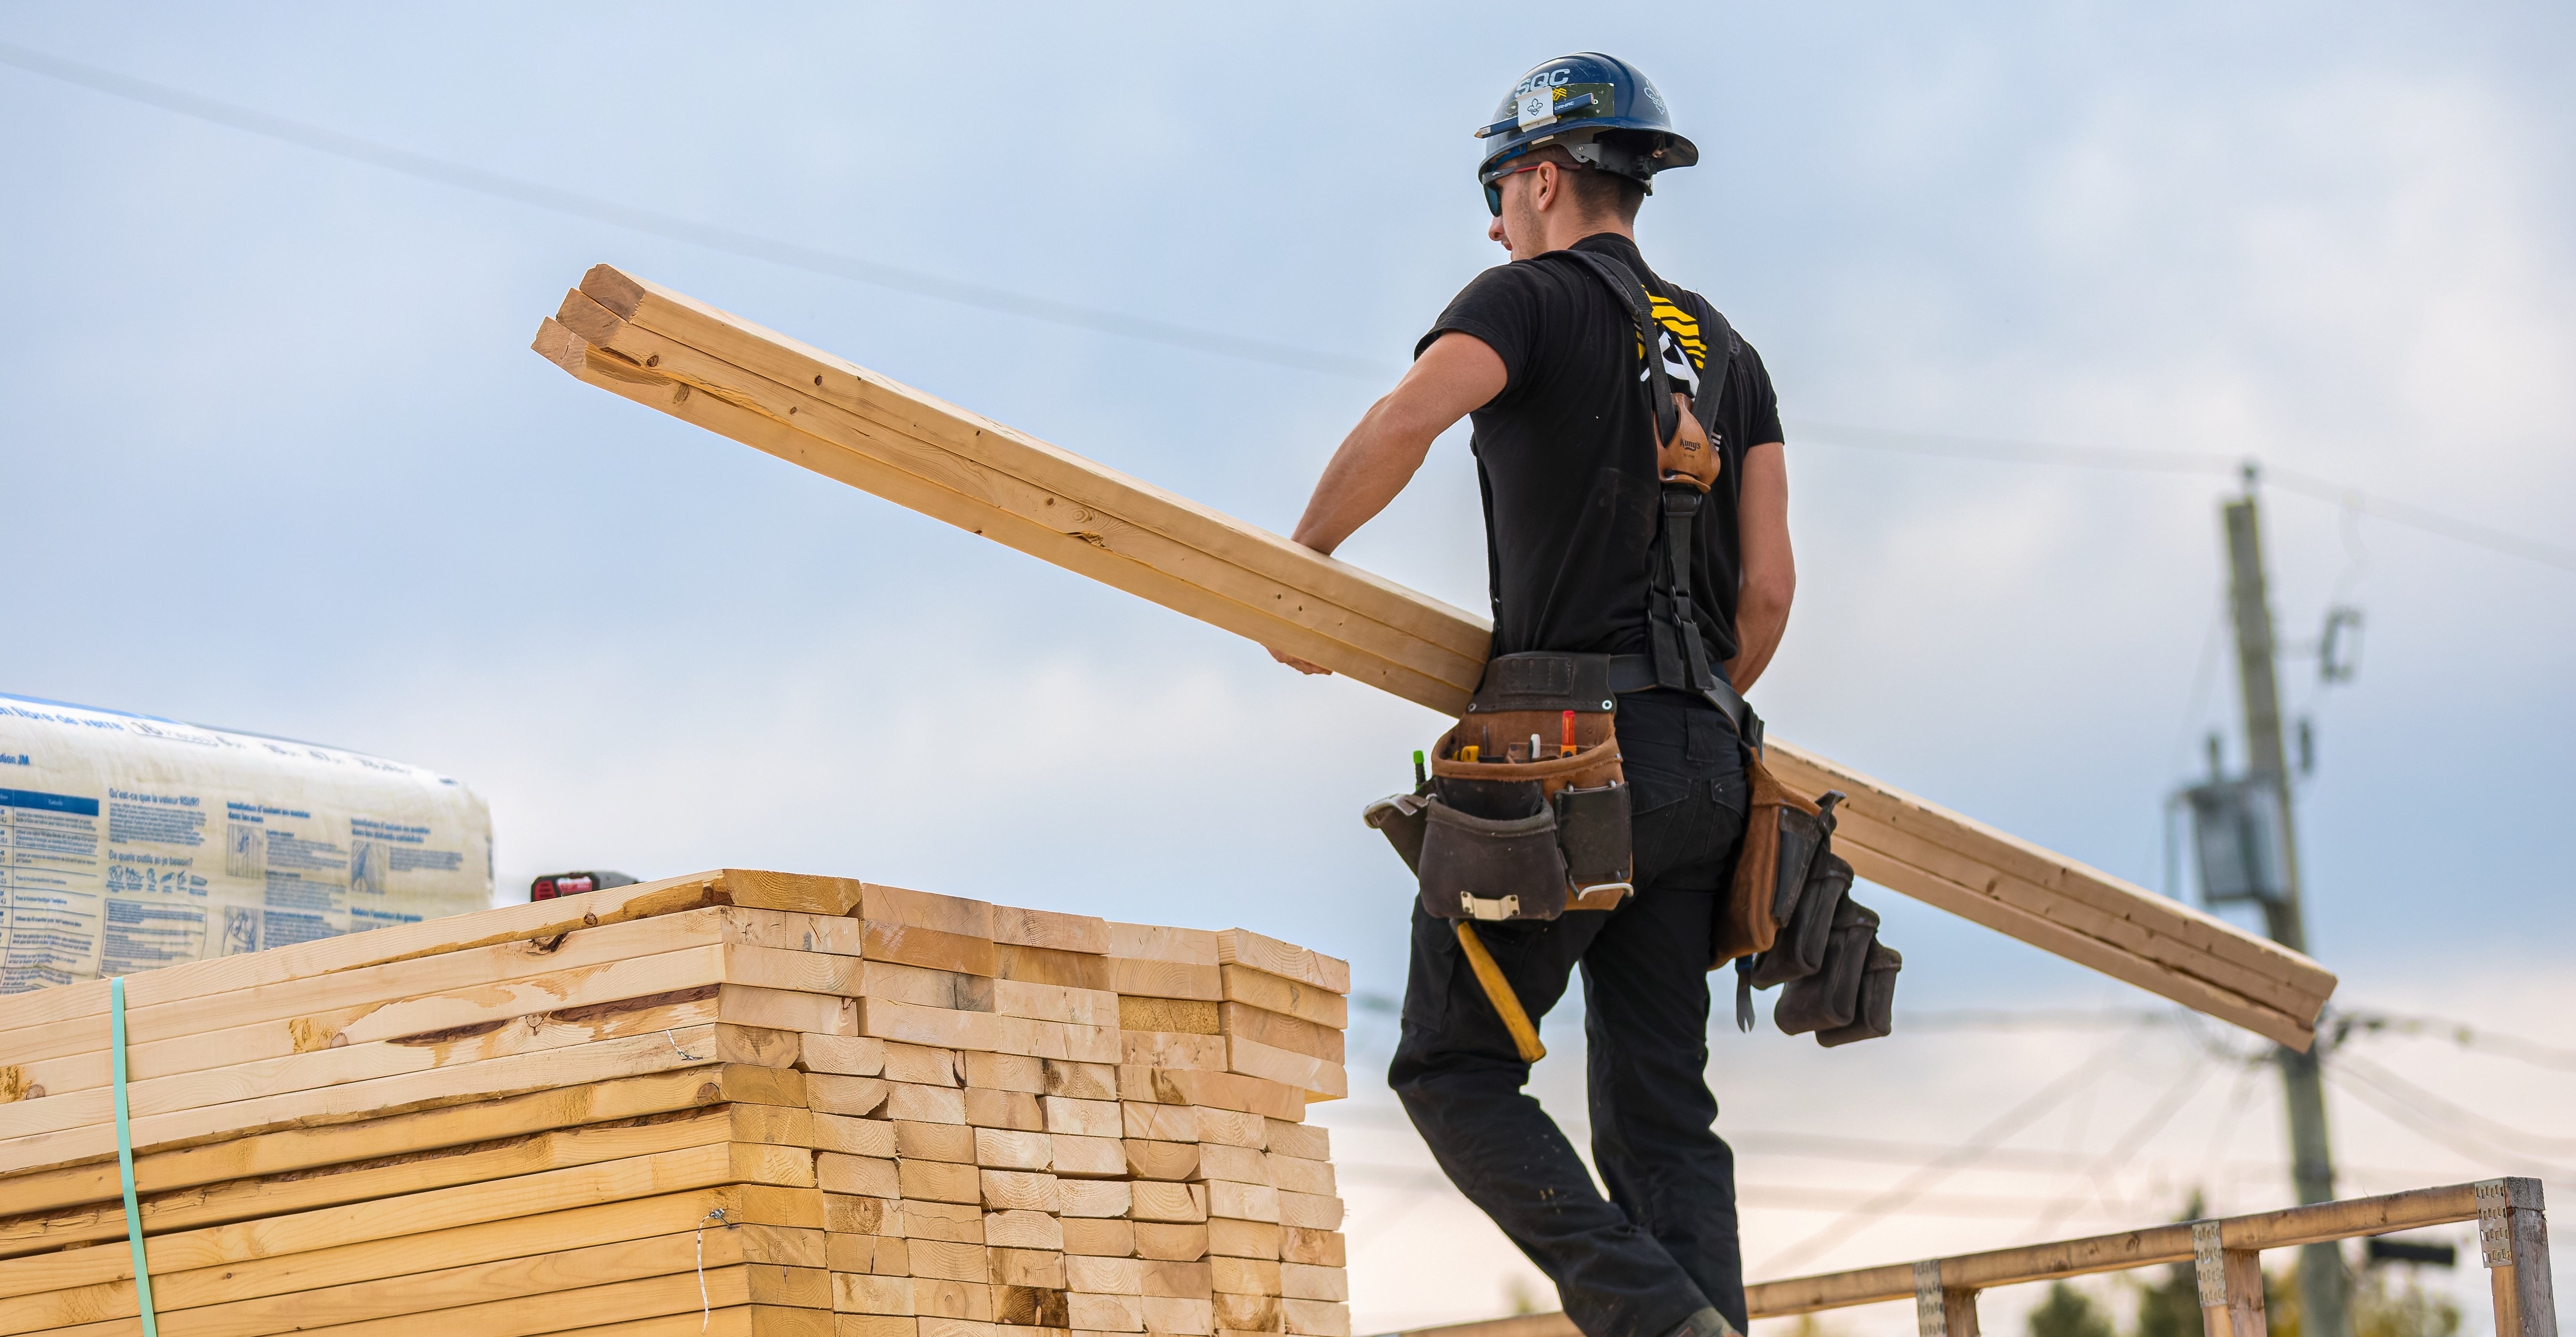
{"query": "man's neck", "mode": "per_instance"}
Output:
(1557, 236)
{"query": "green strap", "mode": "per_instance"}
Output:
(125, 1155)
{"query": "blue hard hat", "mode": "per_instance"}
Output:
(1599, 108)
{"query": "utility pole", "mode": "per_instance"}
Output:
(2323, 1311)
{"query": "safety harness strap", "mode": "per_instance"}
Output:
(1680, 657)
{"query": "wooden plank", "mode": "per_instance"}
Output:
(1320, 1079)
(531, 926)
(1024, 1230)
(1282, 1031)
(1161, 1160)
(1324, 1248)
(676, 1291)
(430, 1251)
(366, 1061)
(1006, 1072)
(1185, 1242)
(1078, 1156)
(1047, 965)
(926, 438)
(929, 948)
(1311, 1141)
(1156, 942)
(1969, 904)
(985, 502)
(1243, 1165)
(1238, 946)
(1056, 1002)
(1172, 1049)
(251, 1158)
(550, 992)
(368, 987)
(410, 1197)
(1219, 1090)
(598, 1061)
(1278, 993)
(1235, 1128)
(1190, 1016)
(435, 937)
(849, 1055)
(1244, 1239)
(2052, 873)
(926, 988)
(1076, 1079)
(1313, 1211)
(1129, 977)
(742, 1321)
(1316, 1318)
(1049, 929)
(2079, 914)
(1157, 1122)
(1107, 1237)
(1299, 1175)
(854, 425)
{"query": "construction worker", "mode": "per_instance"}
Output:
(1542, 352)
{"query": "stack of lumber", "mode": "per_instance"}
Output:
(721, 372)
(748, 1103)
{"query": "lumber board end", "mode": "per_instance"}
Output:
(594, 323)
(611, 288)
(559, 345)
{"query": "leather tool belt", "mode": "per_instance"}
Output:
(1524, 812)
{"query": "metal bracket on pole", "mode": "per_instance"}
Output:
(2513, 1241)
(2495, 1223)
(2209, 1264)
(1929, 1321)
(1941, 1311)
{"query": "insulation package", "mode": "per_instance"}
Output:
(129, 842)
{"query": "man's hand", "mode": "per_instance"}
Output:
(1456, 375)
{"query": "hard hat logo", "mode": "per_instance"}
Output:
(1601, 109)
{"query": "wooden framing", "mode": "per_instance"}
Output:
(718, 371)
(2512, 1227)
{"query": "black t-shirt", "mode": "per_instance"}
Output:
(1565, 455)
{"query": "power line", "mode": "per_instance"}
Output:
(2432, 1129)
(2193, 462)
(2487, 1129)
(750, 246)
(1967, 1153)
(1077, 315)
(2123, 1151)
(2354, 1025)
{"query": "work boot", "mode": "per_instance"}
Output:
(1706, 1323)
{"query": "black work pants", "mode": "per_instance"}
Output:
(1663, 1245)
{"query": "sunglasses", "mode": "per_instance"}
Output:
(1494, 188)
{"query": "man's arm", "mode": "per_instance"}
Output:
(1770, 571)
(1456, 375)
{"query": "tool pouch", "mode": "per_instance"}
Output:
(1784, 832)
(1875, 1013)
(1592, 826)
(1830, 998)
(1528, 829)
(1799, 951)
(1491, 867)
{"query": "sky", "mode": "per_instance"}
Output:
(276, 457)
